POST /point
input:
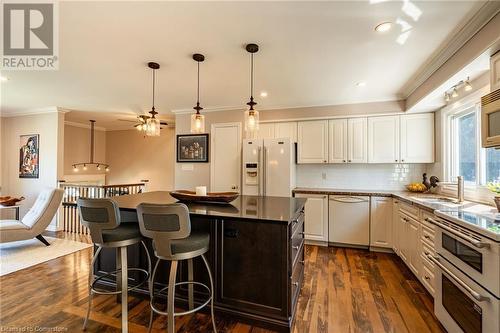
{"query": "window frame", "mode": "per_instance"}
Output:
(473, 190)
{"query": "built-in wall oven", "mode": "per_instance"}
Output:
(467, 295)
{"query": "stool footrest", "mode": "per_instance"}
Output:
(155, 309)
(114, 273)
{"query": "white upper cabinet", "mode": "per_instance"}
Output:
(266, 131)
(337, 141)
(417, 138)
(495, 71)
(312, 141)
(357, 140)
(383, 139)
(286, 130)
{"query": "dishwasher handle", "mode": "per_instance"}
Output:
(349, 199)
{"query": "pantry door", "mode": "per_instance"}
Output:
(225, 157)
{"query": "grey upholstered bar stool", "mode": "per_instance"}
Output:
(170, 228)
(102, 218)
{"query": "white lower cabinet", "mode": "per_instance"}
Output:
(381, 222)
(395, 225)
(413, 230)
(316, 217)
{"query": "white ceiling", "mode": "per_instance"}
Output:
(312, 53)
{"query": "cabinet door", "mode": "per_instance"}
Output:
(403, 237)
(266, 131)
(357, 140)
(286, 130)
(312, 141)
(337, 141)
(383, 139)
(495, 71)
(395, 226)
(316, 217)
(414, 261)
(417, 138)
(381, 222)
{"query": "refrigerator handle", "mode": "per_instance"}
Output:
(264, 171)
(259, 157)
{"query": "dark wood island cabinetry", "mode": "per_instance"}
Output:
(256, 256)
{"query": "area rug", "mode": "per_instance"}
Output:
(15, 256)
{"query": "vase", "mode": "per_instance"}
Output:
(497, 202)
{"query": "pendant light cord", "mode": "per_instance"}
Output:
(154, 70)
(251, 77)
(198, 94)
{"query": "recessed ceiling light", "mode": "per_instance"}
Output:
(263, 94)
(4, 79)
(383, 27)
(361, 84)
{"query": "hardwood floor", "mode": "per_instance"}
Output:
(345, 290)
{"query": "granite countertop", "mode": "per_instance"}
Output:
(280, 209)
(478, 217)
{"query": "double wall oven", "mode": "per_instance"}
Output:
(467, 295)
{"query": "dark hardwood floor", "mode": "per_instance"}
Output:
(345, 290)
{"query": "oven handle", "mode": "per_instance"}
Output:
(472, 292)
(471, 240)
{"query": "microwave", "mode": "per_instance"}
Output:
(490, 120)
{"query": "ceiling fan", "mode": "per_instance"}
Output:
(141, 122)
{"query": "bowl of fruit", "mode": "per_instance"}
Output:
(416, 187)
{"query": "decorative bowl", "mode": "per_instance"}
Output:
(211, 197)
(416, 189)
(10, 201)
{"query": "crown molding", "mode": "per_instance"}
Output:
(86, 126)
(476, 22)
(32, 112)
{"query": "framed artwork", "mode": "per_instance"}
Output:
(29, 159)
(192, 148)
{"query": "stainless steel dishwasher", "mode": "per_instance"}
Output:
(349, 220)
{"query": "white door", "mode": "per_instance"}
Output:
(417, 138)
(381, 222)
(395, 226)
(383, 139)
(286, 130)
(278, 160)
(337, 141)
(312, 141)
(225, 157)
(316, 217)
(357, 140)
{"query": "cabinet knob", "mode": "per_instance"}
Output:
(324, 161)
(296, 284)
(426, 236)
(349, 161)
(395, 160)
(426, 253)
(402, 160)
(344, 161)
(427, 278)
(302, 262)
(295, 247)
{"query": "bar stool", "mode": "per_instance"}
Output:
(102, 218)
(170, 228)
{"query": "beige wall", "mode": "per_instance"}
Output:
(77, 148)
(47, 126)
(133, 157)
(196, 174)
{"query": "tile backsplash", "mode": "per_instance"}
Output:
(359, 176)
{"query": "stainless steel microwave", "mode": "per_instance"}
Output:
(490, 119)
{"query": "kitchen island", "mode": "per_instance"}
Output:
(256, 256)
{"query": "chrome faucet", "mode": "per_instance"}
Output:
(460, 189)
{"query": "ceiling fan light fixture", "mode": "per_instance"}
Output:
(251, 115)
(197, 119)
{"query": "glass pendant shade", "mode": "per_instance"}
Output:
(197, 123)
(153, 127)
(251, 121)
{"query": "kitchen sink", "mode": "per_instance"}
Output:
(437, 200)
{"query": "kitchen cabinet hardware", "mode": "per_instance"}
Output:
(427, 278)
(457, 233)
(296, 284)
(295, 247)
(302, 262)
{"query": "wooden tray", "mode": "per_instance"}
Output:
(211, 197)
(9, 201)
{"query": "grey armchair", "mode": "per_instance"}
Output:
(36, 219)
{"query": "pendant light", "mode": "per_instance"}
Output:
(251, 115)
(84, 165)
(197, 119)
(152, 123)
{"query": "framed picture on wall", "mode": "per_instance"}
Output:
(192, 148)
(29, 158)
